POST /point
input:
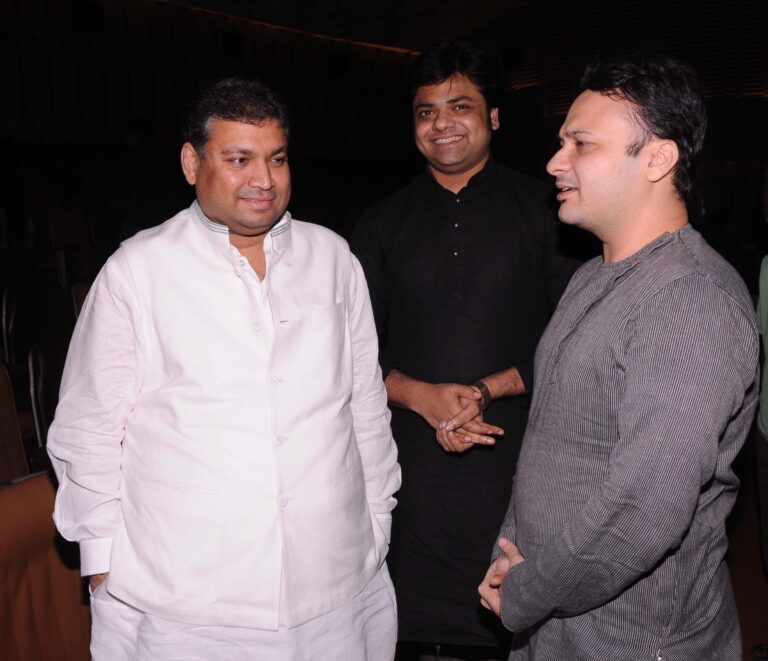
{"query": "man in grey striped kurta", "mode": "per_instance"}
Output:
(613, 546)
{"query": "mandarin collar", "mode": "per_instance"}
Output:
(218, 234)
(617, 270)
(476, 185)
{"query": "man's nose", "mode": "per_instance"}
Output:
(260, 176)
(442, 121)
(558, 163)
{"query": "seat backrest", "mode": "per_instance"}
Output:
(13, 459)
(44, 613)
(79, 291)
(7, 323)
(36, 366)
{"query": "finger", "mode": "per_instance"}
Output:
(459, 442)
(490, 598)
(442, 441)
(480, 427)
(497, 579)
(511, 551)
(470, 438)
(456, 393)
(505, 543)
(468, 392)
(465, 415)
(451, 442)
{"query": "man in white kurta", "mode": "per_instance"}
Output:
(222, 438)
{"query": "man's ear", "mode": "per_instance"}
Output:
(663, 159)
(190, 163)
(493, 116)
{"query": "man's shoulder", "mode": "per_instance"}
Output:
(518, 178)
(317, 235)
(168, 230)
(689, 261)
(392, 205)
(697, 256)
(527, 187)
(151, 244)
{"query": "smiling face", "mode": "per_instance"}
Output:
(453, 128)
(242, 179)
(599, 185)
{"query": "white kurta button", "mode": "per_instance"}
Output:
(284, 502)
(281, 439)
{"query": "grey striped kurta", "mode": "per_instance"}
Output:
(644, 391)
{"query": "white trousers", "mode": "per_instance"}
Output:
(364, 629)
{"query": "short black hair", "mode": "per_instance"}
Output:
(446, 59)
(667, 101)
(237, 99)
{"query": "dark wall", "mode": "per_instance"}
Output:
(97, 91)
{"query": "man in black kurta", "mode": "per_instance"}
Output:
(464, 272)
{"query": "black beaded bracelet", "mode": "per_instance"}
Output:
(484, 392)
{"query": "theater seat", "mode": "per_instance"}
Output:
(44, 614)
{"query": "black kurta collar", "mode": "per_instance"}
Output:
(476, 186)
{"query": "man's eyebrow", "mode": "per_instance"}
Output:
(455, 99)
(248, 152)
(575, 132)
(238, 150)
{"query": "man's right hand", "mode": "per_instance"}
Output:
(95, 580)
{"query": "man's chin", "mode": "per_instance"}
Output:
(569, 218)
(261, 223)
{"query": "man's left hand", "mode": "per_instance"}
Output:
(490, 588)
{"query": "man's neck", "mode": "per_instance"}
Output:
(455, 181)
(626, 240)
(252, 248)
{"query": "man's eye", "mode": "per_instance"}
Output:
(461, 106)
(280, 160)
(423, 114)
(238, 160)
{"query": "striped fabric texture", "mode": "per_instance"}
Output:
(644, 391)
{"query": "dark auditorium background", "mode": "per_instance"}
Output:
(94, 94)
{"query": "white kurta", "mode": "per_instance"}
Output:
(200, 458)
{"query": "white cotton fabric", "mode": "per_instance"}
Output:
(221, 473)
(365, 629)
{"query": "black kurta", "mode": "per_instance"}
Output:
(462, 286)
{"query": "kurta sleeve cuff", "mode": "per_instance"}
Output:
(95, 555)
(525, 368)
(385, 521)
(513, 612)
